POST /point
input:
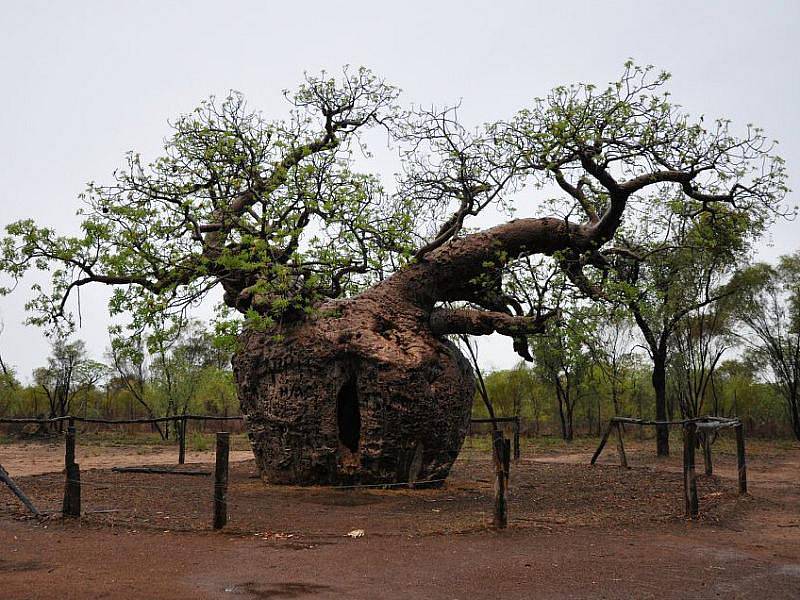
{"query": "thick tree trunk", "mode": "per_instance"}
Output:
(361, 393)
(660, 388)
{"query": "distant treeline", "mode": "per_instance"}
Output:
(155, 377)
(527, 392)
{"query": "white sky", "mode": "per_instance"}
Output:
(82, 82)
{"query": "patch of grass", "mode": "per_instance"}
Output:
(482, 442)
(478, 442)
(148, 441)
(199, 442)
(554, 444)
(123, 438)
(240, 441)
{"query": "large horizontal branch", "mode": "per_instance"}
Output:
(452, 271)
(637, 183)
(446, 321)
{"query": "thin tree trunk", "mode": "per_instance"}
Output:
(570, 435)
(660, 388)
(561, 416)
(599, 418)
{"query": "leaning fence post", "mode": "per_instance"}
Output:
(689, 479)
(71, 506)
(516, 440)
(6, 478)
(221, 480)
(498, 455)
(603, 441)
(740, 458)
(180, 426)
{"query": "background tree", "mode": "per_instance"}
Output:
(8, 381)
(770, 309)
(130, 361)
(669, 268)
(207, 358)
(611, 344)
(181, 358)
(166, 368)
(5, 370)
(740, 389)
(517, 391)
(554, 365)
(699, 344)
(68, 374)
(561, 357)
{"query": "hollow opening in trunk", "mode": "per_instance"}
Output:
(348, 415)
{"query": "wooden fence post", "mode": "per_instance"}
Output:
(71, 506)
(69, 448)
(706, 441)
(740, 458)
(516, 440)
(689, 479)
(500, 507)
(507, 462)
(180, 427)
(221, 480)
(623, 459)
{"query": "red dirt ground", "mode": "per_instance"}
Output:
(575, 532)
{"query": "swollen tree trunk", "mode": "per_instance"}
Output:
(360, 395)
(660, 388)
(368, 389)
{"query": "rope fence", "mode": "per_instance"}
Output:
(695, 431)
(180, 422)
(137, 421)
(73, 482)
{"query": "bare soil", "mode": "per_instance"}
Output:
(575, 531)
(36, 458)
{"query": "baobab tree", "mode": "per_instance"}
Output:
(349, 291)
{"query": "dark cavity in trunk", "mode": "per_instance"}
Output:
(348, 415)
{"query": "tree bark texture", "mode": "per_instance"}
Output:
(358, 396)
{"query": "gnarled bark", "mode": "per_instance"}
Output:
(361, 393)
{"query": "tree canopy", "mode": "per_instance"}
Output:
(275, 212)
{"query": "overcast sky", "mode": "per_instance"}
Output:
(83, 82)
